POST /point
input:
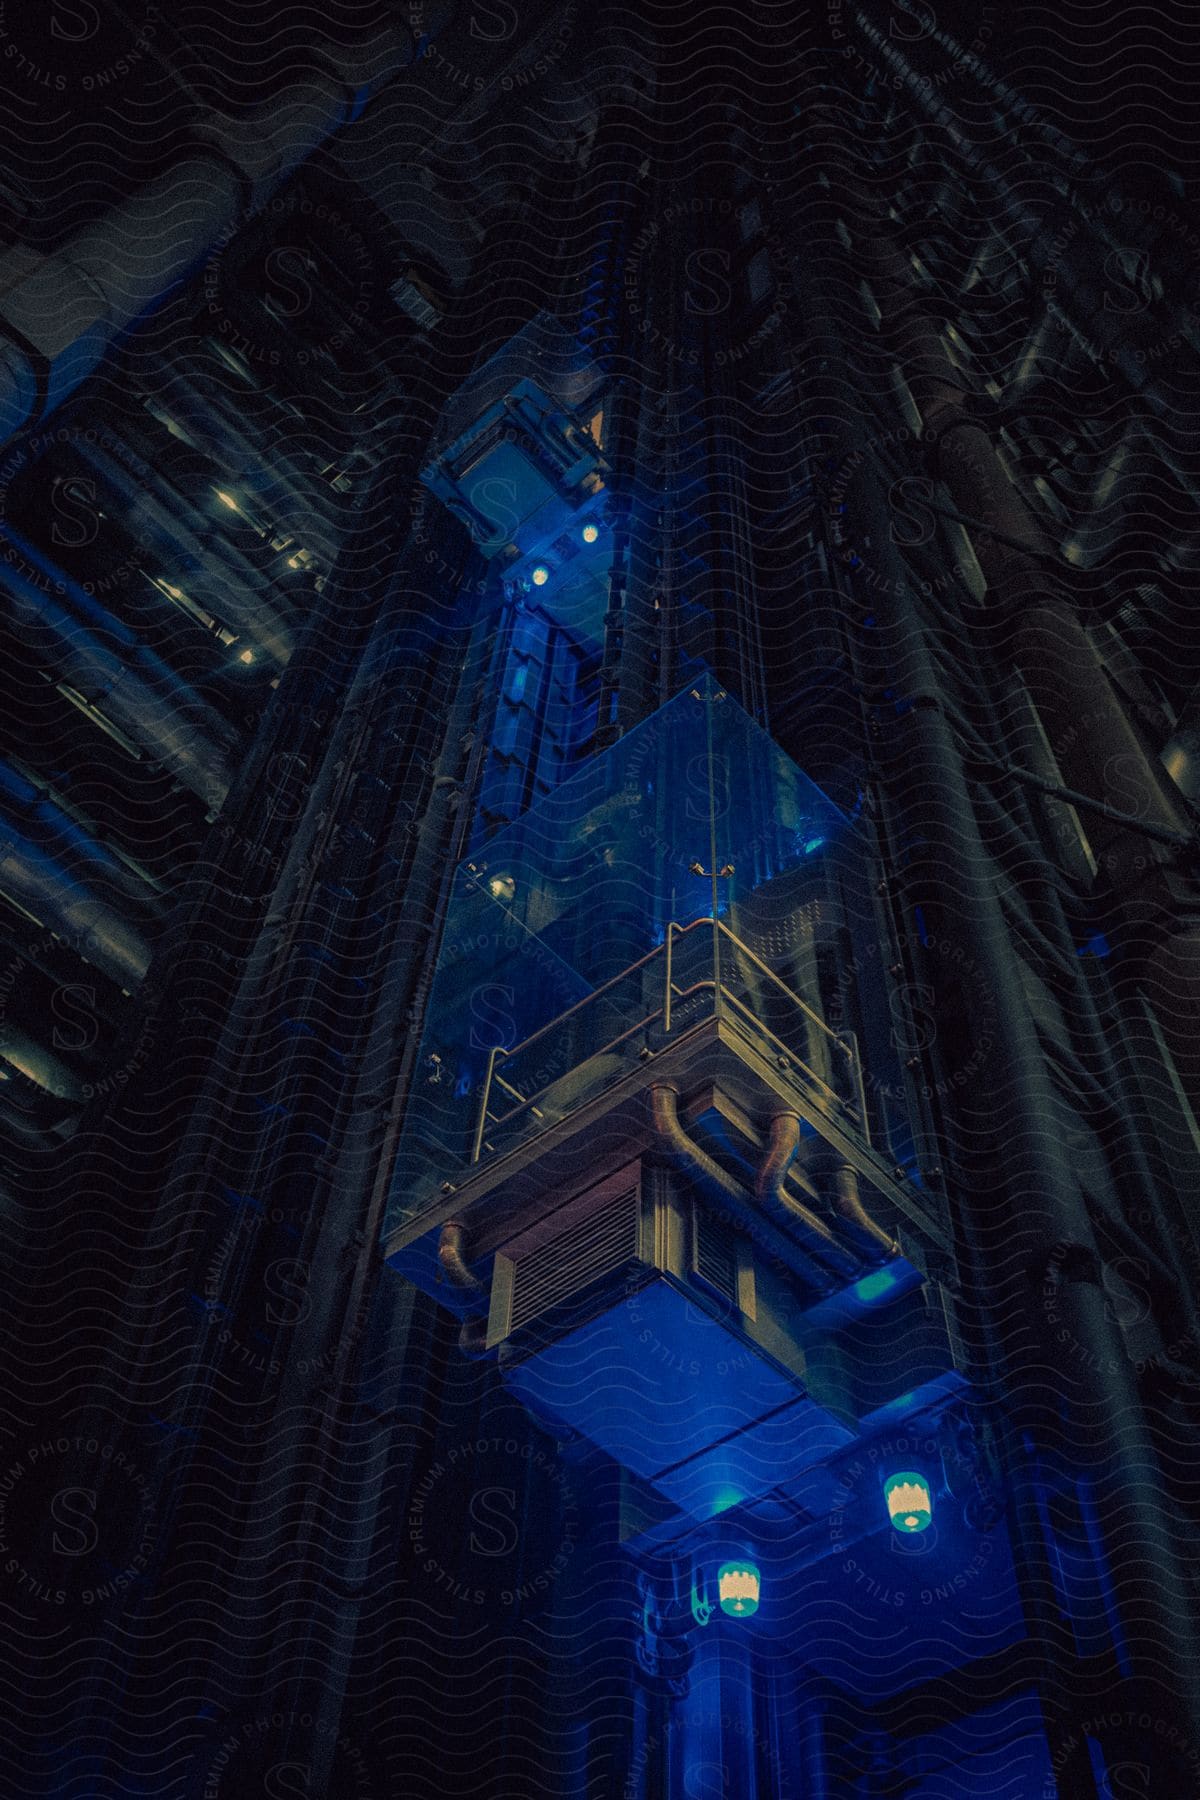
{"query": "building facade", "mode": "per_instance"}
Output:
(601, 951)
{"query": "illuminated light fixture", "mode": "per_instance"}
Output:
(590, 533)
(909, 1502)
(738, 1588)
(874, 1286)
(502, 887)
(227, 500)
(540, 575)
(247, 656)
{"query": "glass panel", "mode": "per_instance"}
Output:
(694, 811)
(585, 1053)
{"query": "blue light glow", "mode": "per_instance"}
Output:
(875, 1285)
(1096, 945)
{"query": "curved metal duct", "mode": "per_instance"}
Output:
(452, 1257)
(782, 1146)
(848, 1201)
(783, 1141)
(664, 1102)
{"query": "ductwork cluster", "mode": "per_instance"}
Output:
(142, 695)
(44, 885)
(772, 1200)
(771, 1192)
(60, 313)
(242, 600)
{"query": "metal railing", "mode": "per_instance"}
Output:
(666, 1016)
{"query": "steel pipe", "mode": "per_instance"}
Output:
(452, 1257)
(783, 1142)
(43, 887)
(238, 594)
(848, 1199)
(61, 312)
(664, 1102)
(142, 695)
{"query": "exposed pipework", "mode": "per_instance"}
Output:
(848, 1200)
(141, 694)
(37, 1064)
(61, 314)
(28, 808)
(179, 532)
(783, 1142)
(46, 889)
(1091, 733)
(452, 1256)
(216, 423)
(664, 1102)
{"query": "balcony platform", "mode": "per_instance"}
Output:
(719, 1072)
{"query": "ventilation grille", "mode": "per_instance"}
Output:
(591, 1247)
(714, 1256)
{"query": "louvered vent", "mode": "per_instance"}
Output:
(772, 938)
(591, 1247)
(714, 1256)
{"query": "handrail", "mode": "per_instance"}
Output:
(481, 1121)
(665, 948)
(667, 996)
(772, 976)
(791, 1054)
(851, 1038)
(502, 1118)
(845, 1040)
(697, 987)
(596, 992)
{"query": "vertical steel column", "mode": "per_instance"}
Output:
(1021, 1217)
(1096, 744)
